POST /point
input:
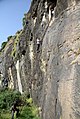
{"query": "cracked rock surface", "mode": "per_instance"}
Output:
(50, 73)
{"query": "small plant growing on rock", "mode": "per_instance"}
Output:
(3, 45)
(9, 37)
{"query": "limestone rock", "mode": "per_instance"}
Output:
(50, 73)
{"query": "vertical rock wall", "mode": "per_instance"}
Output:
(51, 73)
(60, 58)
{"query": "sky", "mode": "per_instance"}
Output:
(11, 14)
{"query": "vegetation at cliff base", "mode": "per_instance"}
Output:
(27, 110)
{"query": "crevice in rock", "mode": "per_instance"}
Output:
(31, 38)
(23, 52)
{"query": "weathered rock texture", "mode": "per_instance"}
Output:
(52, 73)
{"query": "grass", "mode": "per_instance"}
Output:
(5, 114)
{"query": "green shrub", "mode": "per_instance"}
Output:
(24, 21)
(9, 37)
(7, 97)
(3, 45)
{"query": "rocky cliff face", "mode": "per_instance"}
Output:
(44, 58)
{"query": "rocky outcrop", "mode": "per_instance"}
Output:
(49, 71)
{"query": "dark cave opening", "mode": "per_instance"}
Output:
(51, 8)
(23, 52)
(52, 3)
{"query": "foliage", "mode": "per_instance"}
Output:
(29, 101)
(27, 111)
(3, 45)
(13, 53)
(24, 21)
(7, 97)
(9, 37)
(26, 18)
